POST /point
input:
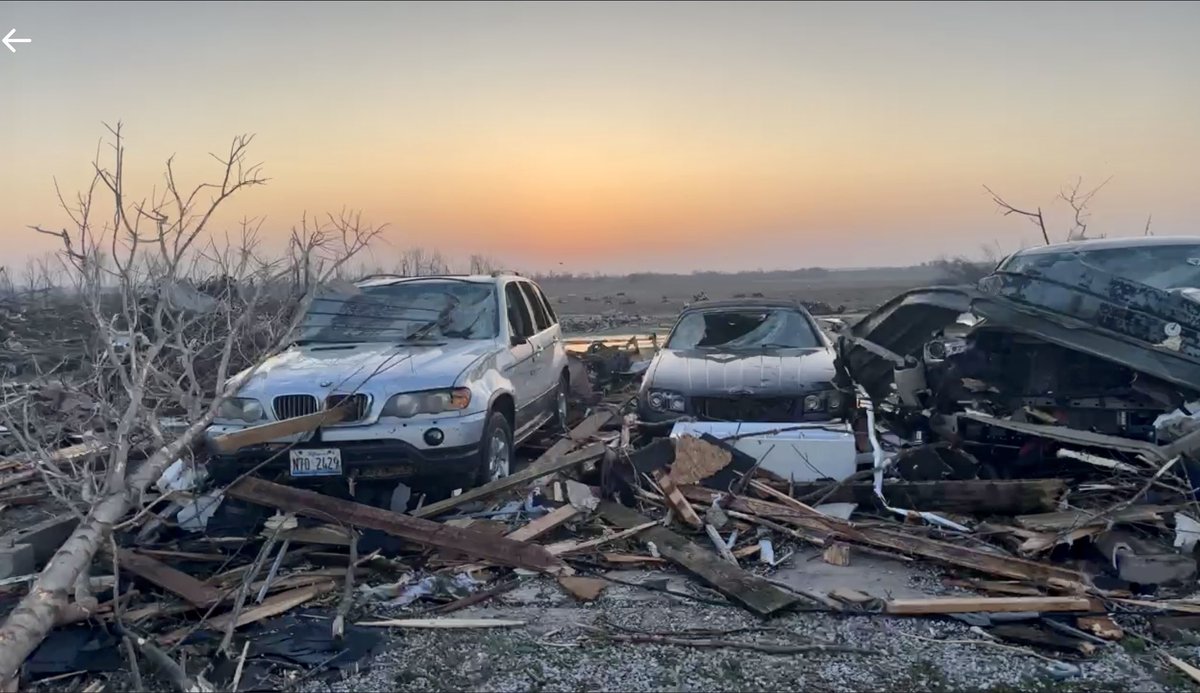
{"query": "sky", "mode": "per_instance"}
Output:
(622, 137)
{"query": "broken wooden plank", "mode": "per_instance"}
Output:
(265, 433)
(747, 589)
(1101, 626)
(478, 545)
(677, 502)
(544, 523)
(1192, 672)
(544, 466)
(20, 478)
(1074, 519)
(961, 556)
(585, 589)
(719, 544)
(152, 570)
(443, 623)
(975, 496)
(273, 606)
(837, 553)
(630, 558)
(966, 605)
(1048, 540)
(565, 547)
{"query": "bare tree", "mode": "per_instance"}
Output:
(1007, 209)
(1079, 205)
(176, 316)
(482, 264)
(1076, 198)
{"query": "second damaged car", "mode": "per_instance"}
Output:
(744, 360)
(1097, 336)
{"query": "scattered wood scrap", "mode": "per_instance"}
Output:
(747, 589)
(676, 501)
(965, 605)
(425, 532)
(544, 523)
(257, 435)
(1100, 626)
(543, 466)
(837, 553)
(194, 591)
(974, 496)
(1074, 519)
(585, 589)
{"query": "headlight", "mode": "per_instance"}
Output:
(813, 403)
(665, 400)
(240, 409)
(408, 404)
(834, 400)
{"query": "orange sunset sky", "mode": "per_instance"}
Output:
(624, 136)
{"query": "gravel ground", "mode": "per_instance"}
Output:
(553, 653)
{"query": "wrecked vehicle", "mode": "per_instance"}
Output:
(436, 377)
(758, 360)
(1100, 336)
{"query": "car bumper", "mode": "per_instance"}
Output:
(392, 450)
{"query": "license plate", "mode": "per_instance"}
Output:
(316, 462)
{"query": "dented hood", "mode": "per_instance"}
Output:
(705, 372)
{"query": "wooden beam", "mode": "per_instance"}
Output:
(256, 435)
(747, 589)
(1074, 519)
(991, 605)
(543, 524)
(479, 545)
(1007, 497)
(544, 466)
(677, 502)
(192, 590)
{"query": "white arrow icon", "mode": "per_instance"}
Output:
(8, 41)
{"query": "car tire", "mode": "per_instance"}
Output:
(495, 450)
(562, 404)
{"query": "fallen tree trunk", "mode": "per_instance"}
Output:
(28, 624)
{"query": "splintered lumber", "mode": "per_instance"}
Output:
(747, 589)
(677, 502)
(564, 547)
(473, 543)
(544, 523)
(192, 590)
(585, 589)
(1101, 626)
(973, 496)
(257, 435)
(966, 605)
(1192, 672)
(997, 586)
(1073, 519)
(544, 466)
(952, 554)
(837, 553)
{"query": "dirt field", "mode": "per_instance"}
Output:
(665, 295)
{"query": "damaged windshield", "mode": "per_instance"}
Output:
(406, 311)
(744, 329)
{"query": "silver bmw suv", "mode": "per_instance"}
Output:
(444, 377)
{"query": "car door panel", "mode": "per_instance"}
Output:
(544, 375)
(520, 324)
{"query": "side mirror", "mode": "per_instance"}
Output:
(517, 340)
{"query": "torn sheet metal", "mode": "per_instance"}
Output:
(881, 463)
(801, 452)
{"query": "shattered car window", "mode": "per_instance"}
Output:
(1163, 267)
(423, 309)
(744, 329)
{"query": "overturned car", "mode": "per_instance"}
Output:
(1099, 336)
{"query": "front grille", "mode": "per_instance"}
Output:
(291, 406)
(764, 409)
(359, 404)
